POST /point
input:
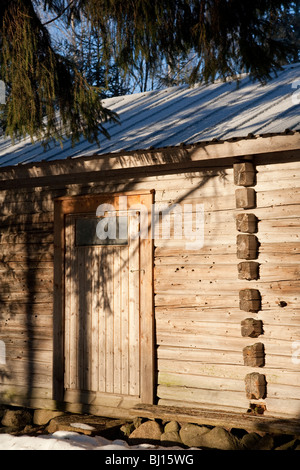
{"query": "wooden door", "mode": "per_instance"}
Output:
(106, 337)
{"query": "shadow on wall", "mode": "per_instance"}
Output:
(26, 261)
(26, 253)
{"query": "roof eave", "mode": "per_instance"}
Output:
(192, 154)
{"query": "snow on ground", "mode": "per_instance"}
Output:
(66, 440)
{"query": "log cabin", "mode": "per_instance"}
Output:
(159, 274)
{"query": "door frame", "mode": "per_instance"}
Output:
(88, 203)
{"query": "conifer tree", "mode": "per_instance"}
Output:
(48, 95)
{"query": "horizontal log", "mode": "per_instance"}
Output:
(170, 192)
(174, 258)
(27, 297)
(175, 246)
(280, 316)
(23, 266)
(8, 393)
(177, 257)
(271, 272)
(277, 211)
(30, 230)
(211, 244)
(22, 379)
(288, 224)
(242, 198)
(194, 395)
(225, 384)
(287, 180)
(36, 207)
(94, 398)
(203, 152)
(26, 355)
(198, 356)
(277, 197)
(218, 357)
(289, 165)
(30, 195)
(23, 250)
(30, 366)
(223, 286)
(25, 274)
(223, 343)
(198, 327)
(280, 236)
(211, 203)
(159, 178)
(31, 285)
(200, 271)
(283, 391)
(29, 333)
(173, 379)
(17, 340)
(26, 238)
(21, 220)
(192, 314)
(23, 321)
(10, 310)
(286, 248)
(291, 380)
(223, 328)
(225, 300)
(279, 408)
(227, 416)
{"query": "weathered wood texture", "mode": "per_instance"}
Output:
(102, 334)
(198, 320)
(197, 301)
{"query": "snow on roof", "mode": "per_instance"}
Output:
(176, 115)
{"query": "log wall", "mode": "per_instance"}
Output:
(198, 319)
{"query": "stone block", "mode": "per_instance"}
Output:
(170, 438)
(245, 198)
(255, 386)
(246, 223)
(244, 174)
(247, 246)
(251, 327)
(149, 432)
(42, 417)
(192, 434)
(171, 426)
(248, 270)
(254, 355)
(250, 300)
(16, 418)
(221, 439)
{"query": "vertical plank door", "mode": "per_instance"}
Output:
(104, 327)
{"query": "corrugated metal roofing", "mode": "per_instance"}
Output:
(176, 115)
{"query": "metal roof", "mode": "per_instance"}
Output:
(170, 117)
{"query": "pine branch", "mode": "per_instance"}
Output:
(60, 14)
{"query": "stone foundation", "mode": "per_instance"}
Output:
(20, 421)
